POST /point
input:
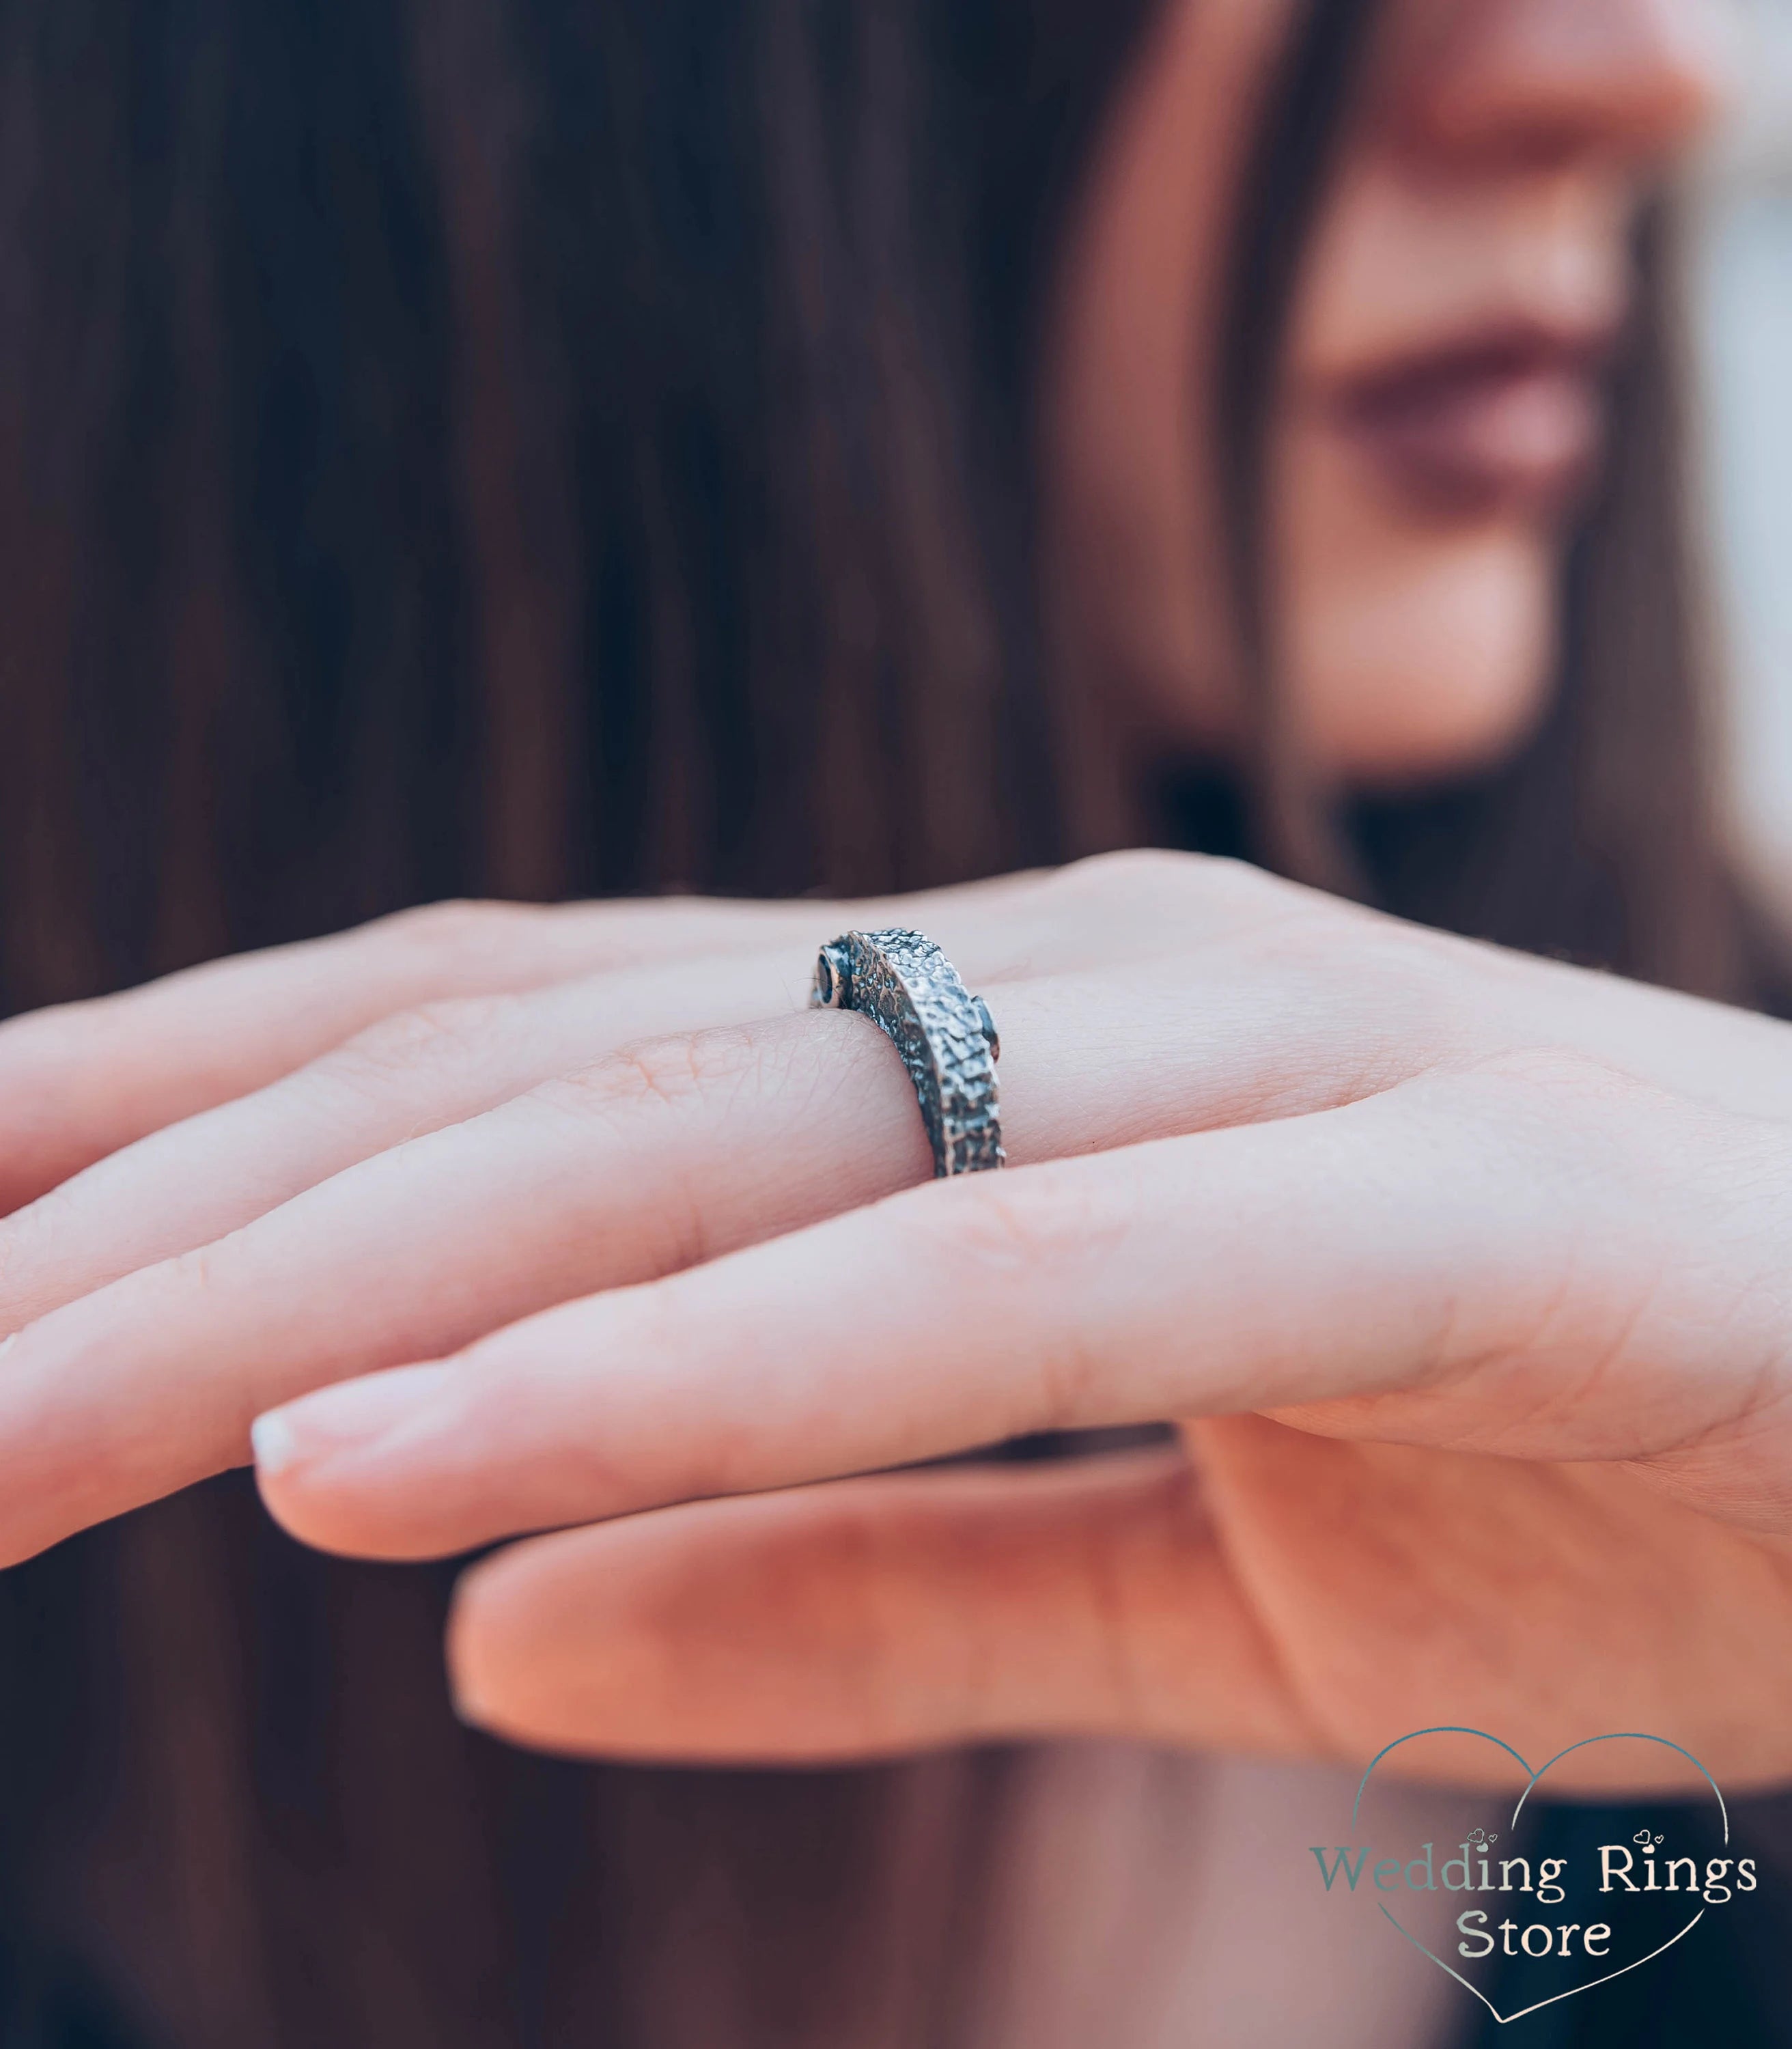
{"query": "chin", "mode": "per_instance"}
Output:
(1422, 662)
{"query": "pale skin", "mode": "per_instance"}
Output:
(1464, 1274)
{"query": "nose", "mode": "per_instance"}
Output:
(1545, 80)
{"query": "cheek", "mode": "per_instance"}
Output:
(1413, 649)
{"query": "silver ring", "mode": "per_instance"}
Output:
(907, 988)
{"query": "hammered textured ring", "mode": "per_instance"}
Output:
(907, 988)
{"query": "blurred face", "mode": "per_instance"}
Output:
(1442, 411)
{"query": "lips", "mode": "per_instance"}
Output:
(1508, 420)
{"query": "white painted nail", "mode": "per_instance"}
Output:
(273, 1441)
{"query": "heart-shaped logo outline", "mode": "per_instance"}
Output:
(1536, 1774)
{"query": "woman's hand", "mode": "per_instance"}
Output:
(1371, 1203)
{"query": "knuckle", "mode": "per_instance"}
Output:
(201, 1274)
(1169, 874)
(454, 928)
(425, 1037)
(1561, 1084)
(1042, 1228)
(1027, 1220)
(1129, 870)
(1404, 1000)
(1565, 1119)
(33, 1241)
(684, 1071)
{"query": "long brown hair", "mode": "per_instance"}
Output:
(542, 447)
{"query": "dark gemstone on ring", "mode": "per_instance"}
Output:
(989, 1024)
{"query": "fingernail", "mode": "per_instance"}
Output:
(342, 1419)
(272, 1439)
